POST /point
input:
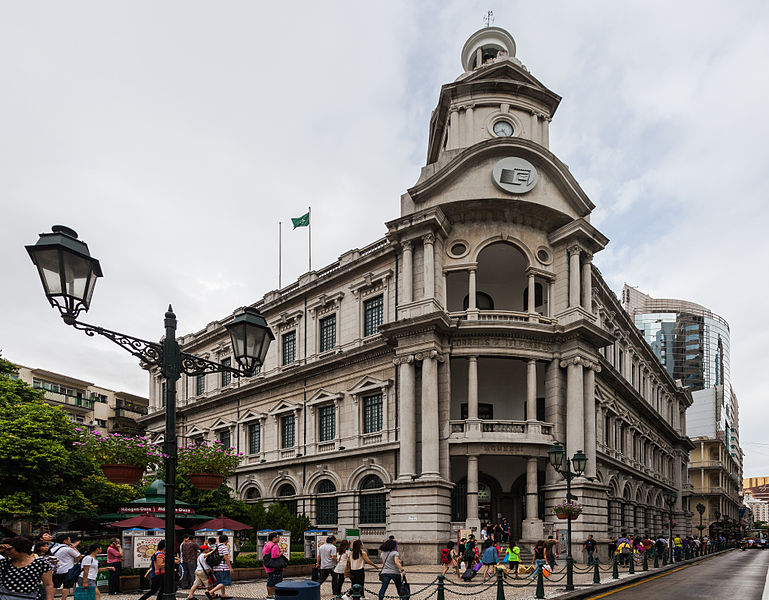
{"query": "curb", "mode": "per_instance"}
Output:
(604, 587)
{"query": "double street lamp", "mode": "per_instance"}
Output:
(69, 273)
(700, 509)
(556, 454)
(670, 499)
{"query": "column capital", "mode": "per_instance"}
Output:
(581, 361)
(428, 354)
(428, 238)
(588, 256)
(575, 249)
(404, 359)
(406, 245)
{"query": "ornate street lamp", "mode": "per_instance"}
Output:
(670, 499)
(556, 455)
(700, 509)
(69, 273)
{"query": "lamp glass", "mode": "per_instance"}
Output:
(250, 336)
(670, 497)
(556, 454)
(579, 462)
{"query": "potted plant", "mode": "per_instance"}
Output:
(122, 458)
(567, 510)
(206, 465)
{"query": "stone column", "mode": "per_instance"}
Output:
(469, 124)
(574, 276)
(590, 428)
(575, 409)
(550, 288)
(429, 266)
(587, 284)
(408, 434)
(408, 272)
(531, 390)
(472, 522)
(535, 131)
(453, 141)
(472, 307)
(431, 467)
(472, 388)
(531, 295)
(532, 525)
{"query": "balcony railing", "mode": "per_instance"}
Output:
(84, 403)
(503, 316)
(499, 430)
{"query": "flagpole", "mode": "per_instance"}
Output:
(280, 250)
(309, 239)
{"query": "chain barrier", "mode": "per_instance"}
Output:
(472, 593)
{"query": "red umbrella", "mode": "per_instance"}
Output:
(144, 521)
(223, 522)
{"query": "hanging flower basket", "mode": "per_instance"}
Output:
(567, 510)
(122, 473)
(206, 481)
(565, 515)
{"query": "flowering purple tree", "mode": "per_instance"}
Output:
(117, 449)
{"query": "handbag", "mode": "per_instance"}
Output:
(405, 591)
(5, 593)
(85, 593)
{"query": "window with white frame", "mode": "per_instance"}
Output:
(226, 375)
(372, 413)
(254, 438)
(373, 315)
(326, 506)
(287, 431)
(200, 385)
(327, 333)
(288, 347)
(373, 500)
(326, 423)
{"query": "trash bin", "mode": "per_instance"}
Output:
(298, 589)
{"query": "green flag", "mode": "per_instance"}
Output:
(303, 221)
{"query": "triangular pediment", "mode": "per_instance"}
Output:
(251, 415)
(507, 71)
(323, 395)
(195, 430)
(282, 406)
(221, 424)
(368, 384)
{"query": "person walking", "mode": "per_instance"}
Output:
(513, 557)
(157, 571)
(392, 568)
(538, 557)
(677, 547)
(450, 559)
(189, 551)
(274, 576)
(91, 569)
(66, 553)
(358, 561)
(342, 564)
(327, 559)
(589, 547)
(22, 573)
(114, 560)
(550, 551)
(222, 571)
(204, 573)
(489, 559)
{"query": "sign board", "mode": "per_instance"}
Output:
(560, 535)
(155, 510)
(144, 548)
(413, 518)
(352, 534)
(463, 533)
(103, 577)
(285, 545)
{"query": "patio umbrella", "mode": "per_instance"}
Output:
(81, 524)
(143, 522)
(222, 522)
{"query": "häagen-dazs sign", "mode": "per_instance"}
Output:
(514, 175)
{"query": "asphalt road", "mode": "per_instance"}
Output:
(736, 575)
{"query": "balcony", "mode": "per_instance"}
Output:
(501, 431)
(711, 489)
(707, 464)
(501, 317)
(72, 401)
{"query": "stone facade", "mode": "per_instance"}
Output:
(415, 385)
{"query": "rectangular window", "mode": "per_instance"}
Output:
(327, 333)
(326, 423)
(373, 508)
(326, 511)
(620, 361)
(226, 375)
(254, 438)
(287, 432)
(288, 347)
(606, 430)
(373, 312)
(200, 385)
(224, 438)
(372, 413)
(485, 411)
(632, 374)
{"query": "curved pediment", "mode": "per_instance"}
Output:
(469, 176)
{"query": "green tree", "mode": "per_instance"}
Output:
(43, 476)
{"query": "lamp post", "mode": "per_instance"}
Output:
(69, 274)
(556, 454)
(700, 509)
(670, 499)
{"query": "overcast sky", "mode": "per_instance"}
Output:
(173, 136)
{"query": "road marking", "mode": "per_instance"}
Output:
(626, 587)
(765, 595)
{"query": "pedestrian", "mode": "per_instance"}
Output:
(498, 533)
(505, 531)
(222, 571)
(489, 559)
(589, 547)
(114, 560)
(204, 574)
(624, 551)
(612, 546)
(91, 569)
(66, 553)
(326, 559)
(358, 560)
(550, 551)
(157, 572)
(513, 557)
(538, 557)
(22, 573)
(450, 559)
(677, 547)
(274, 575)
(340, 570)
(392, 568)
(189, 551)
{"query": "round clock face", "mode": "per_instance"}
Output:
(503, 129)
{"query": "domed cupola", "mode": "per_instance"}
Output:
(496, 96)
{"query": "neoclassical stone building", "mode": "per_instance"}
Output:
(416, 384)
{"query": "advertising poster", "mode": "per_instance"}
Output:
(285, 545)
(144, 548)
(102, 578)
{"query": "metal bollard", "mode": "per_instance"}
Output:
(500, 585)
(357, 591)
(596, 573)
(646, 562)
(615, 569)
(441, 590)
(540, 585)
(631, 567)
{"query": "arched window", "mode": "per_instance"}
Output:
(252, 494)
(482, 301)
(326, 506)
(373, 504)
(286, 491)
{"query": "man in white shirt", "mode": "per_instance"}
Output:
(327, 558)
(67, 555)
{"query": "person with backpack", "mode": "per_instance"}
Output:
(204, 574)
(221, 565)
(449, 559)
(91, 569)
(66, 553)
(272, 558)
(470, 559)
(513, 558)
(624, 551)
(538, 558)
(157, 571)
